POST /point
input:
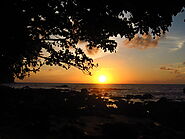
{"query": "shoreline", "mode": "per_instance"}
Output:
(172, 91)
(49, 113)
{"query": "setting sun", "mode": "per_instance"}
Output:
(102, 79)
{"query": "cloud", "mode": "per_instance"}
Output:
(80, 42)
(173, 70)
(177, 68)
(92, 50)
(166, 68)
(180, 45)
(174, 43)
(142, 42)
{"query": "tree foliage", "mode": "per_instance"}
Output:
(31, 26)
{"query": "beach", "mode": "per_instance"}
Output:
(52, 113)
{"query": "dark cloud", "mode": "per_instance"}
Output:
(142, 42)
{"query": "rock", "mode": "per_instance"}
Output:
(147, 96)
(120, 130)
(163, 100)
(84, 90)
(63, 86)
(26, 87)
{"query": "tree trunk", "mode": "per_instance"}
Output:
(6, 76)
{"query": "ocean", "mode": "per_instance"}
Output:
(170, 91)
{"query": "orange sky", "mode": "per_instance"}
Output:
(143, 60)
(115, 68)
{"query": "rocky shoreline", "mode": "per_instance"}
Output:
(50, 113)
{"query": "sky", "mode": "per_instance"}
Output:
(141, 61)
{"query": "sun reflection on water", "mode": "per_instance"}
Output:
(112, 106)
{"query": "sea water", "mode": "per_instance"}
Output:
(170, 91)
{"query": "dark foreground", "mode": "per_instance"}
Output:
(50, 114)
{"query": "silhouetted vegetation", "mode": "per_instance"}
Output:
(32, 26)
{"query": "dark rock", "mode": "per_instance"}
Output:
(147, 96)
(64, 86)
(120, 130)
(26, 87)
(163, 100)
(84, 90)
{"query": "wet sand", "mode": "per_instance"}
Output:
(52, 114)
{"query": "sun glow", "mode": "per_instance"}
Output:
(102, 78)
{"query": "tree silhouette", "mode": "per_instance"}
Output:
(56, 26)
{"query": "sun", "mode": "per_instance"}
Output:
(102, 78)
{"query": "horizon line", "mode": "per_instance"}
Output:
(93, 83)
